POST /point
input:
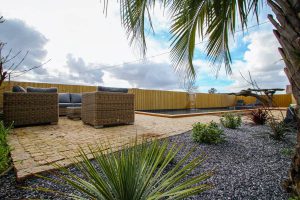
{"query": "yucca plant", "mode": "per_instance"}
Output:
(135, 172)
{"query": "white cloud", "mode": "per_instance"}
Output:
(149, 75)
(20, 39)
(262, 60)
(86, 47)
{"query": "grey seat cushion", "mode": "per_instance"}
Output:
(76, 104)
(75, 98)
(64, 105)
(64, 98)
(17, 88)
(42, 90)
(112, 89)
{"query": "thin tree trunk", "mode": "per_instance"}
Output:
(288, 34)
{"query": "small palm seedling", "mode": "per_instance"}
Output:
(207, 133)
(135, 173)
(230, 120)
(259, 116)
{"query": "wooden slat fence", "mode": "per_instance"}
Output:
(158, 99)
(204, 100)
(281, 100)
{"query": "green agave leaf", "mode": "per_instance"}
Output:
(138, 171)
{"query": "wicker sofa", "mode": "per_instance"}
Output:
(107, 108)
(30, 108)
(68, 100)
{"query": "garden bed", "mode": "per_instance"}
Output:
(248, 165)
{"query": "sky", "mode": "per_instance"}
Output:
(87, 47)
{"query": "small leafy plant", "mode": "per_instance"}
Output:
(279, 129)
(207, 133)
(259, 116)
(287, 151)
(230, 120)
(4, 148)
(136, 172)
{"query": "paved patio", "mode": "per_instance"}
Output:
(35, 149)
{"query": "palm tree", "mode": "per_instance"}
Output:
(217, 20)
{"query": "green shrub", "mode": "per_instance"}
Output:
(279, 129)
(4, 148)
(134, 173)
(207, 133)
(294, 198)
(230, 120)
(287, 151)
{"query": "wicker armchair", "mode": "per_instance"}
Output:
(107, 108)
(30, 108)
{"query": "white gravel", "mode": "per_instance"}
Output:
(248, 165)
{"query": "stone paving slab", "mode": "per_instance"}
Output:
(35, 149)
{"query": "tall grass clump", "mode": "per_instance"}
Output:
(4, 148)
(279, 129)
(207, 133)
(230, 120)
(137, 172)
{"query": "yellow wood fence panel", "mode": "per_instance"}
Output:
(204, 100)
(247, 100)
(158, 99)
(282, 100)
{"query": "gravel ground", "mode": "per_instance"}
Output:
(248, 165)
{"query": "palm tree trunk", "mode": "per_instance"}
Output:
(288, 34)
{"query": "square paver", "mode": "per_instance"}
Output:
(35, 149)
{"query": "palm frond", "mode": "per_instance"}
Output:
(135, 16)
(216, 20)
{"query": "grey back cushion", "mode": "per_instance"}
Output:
(17, 88)
(64, 98)
(112, 89)
(42, 90)
(75, 98)
(240, 103)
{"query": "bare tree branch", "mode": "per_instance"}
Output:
(8, 67)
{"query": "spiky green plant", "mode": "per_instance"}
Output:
(135, 172)
(4, 148)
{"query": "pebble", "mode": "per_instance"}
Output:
(248, 165)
